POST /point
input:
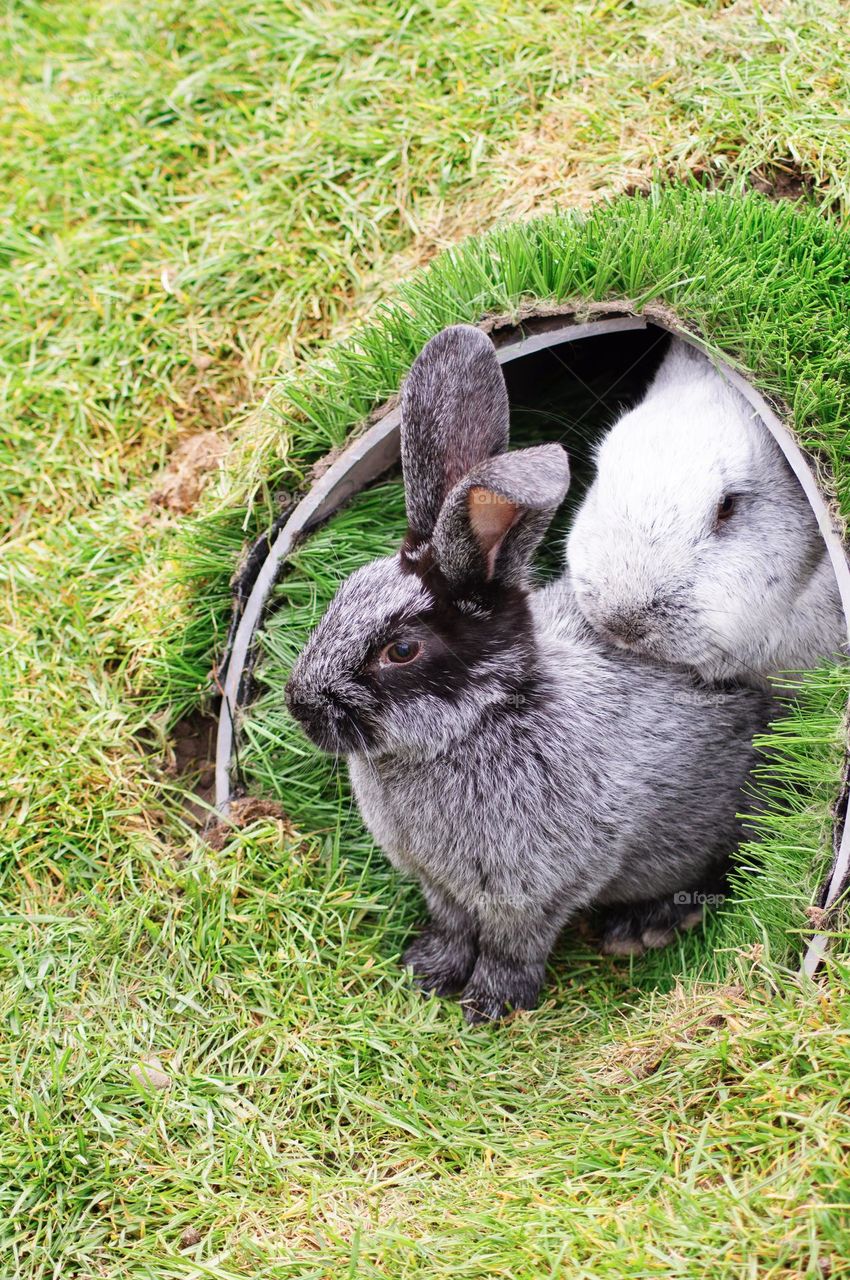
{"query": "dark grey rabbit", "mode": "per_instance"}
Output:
(521, 770)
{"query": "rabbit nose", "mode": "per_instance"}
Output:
(628, 625)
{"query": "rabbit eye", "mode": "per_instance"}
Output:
(725, 506)
(400, 652)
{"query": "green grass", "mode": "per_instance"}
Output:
(194, 199)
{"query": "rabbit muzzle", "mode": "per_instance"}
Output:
(326, 717)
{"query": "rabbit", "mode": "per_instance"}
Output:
(500, 753)
(695, 544)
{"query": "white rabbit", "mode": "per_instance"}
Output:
(696, 545)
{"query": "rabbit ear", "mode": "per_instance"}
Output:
(454, 414)
(494, 518)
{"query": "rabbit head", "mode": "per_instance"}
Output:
(695, 540)
(414, 647)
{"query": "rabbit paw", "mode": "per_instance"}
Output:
(646, 926)
(499, 987)
(441, 962)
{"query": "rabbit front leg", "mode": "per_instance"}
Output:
(513, 946)
(443, 956)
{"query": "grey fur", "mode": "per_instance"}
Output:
(536, 777)
(455, 398)
(657, 574)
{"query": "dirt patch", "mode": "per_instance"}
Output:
(191, 758)
(192, 462)
(782, 181)
(242, 813)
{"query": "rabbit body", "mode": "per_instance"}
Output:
(595, 781)
(501, 752)
(696, 545)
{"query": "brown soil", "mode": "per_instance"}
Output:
(782, 181)
(242, 813)
(191, 464)
(192, 759)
